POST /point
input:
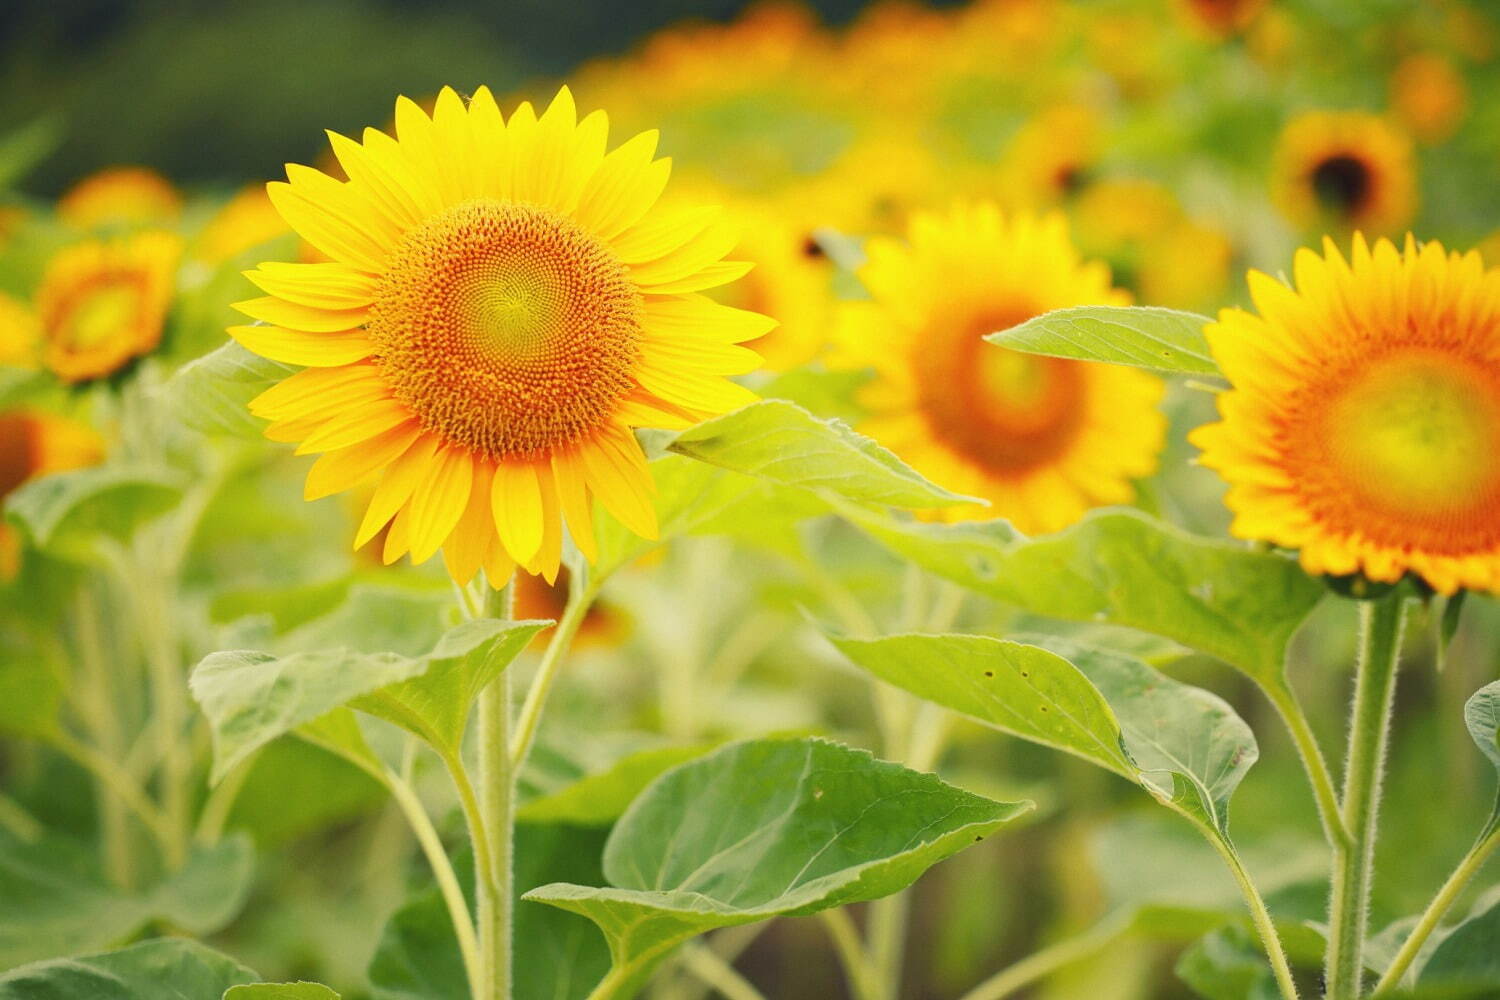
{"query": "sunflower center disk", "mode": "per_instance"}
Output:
(99, 315)
(1342, 183)
(1008, 411)
(506, 328)
(1417, 438)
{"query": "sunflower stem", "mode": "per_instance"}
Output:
(1381, 623)
(497, 787)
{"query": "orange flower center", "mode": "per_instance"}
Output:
(507, 328)
(1009, 412)
(1407, 448)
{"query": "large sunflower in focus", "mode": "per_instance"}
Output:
(1344, 170)
(502, 304)
(1363, 428)
(1043, 439)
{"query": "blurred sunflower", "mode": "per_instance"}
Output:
(1363, 428)
(103, 303)
(538, 599)
(20, 334)
(1218, 18)
(1345, 170)
(35, 444)
(120, 196)
(244, 222)
(1050, 157)
(1043, 439)
(1429, 96)
(503, 303)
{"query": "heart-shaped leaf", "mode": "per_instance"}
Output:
(151, 970)
(779, 441)
(1163, 340)
(761, 829)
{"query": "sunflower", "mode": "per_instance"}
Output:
(103, 303)
(32, 445)
(540, 599)
(1218, 18)
(1429, 96)
(1043, 439)
(1346, 170)
(1363, 426)
(1051, 155)
(20, 334)
(120, 196)
(503, 303)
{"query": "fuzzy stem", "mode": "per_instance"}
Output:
(1041, 964)
(496, 826)
(1374, 694)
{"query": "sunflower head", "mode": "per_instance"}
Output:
(120, 196)
(1429, 96)
(1363, 428)
(103, 303)
(20, 334)
(502, 302)
(1218, 18)
(1344, 170)
(1051, 156)
(1043, 439)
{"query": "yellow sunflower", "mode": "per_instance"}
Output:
(103, 303)
(1344, 170)
(503, 303)
(244, 222)
(1429, 96)
(34, 444)
(1363, 428)
(20, 334)
(538, 599)
(1043, 439)
(1218, 18)
(131, 196)
(1050, 156)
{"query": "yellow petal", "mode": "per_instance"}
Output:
(339, 470)
(439, 501)
(311, 319)
(624, 187)
(325, 285)
(711, 276)
(395, 487)
(517, 502)
(464, 551)
(618, 476)
(573, 499)
(315, 350)
(696, 316)
(356, 425)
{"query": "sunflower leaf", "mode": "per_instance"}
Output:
(1161, 340)
(211, 394)
(777, 440)
(281, 991)
(163, 967)
(760, 829)
(64, 513)
(1123, 567)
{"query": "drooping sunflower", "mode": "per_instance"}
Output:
(103, 303)
(130, 196)
(1344, 170)
(35, 444)
(1363, 426)
(503, 303)
(1043, 439)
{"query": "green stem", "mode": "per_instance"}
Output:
(1260, 916)
(494, 828)
(113, 777)
(442, 870)
(706, 964)
(1374, 694)
(1441, 903)
(579, 602)
(220, 802)
(97, 706)
(1039, 965)
(1313, 763)
(858, 969)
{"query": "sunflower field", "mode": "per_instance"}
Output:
(885, 501)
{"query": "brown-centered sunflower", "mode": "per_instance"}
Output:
(1344, 170)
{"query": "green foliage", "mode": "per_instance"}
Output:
(54, 901)
(601, 798)
(781, 442)
(1125, 568)
(1466, 956)
(151, 970)
(64, 513)
(1162, 340)
(211, 393)
(761, 829)
(280, 991)
(1227, 964)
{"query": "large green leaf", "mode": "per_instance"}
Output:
(1482, 716)
(174, 968)
(1163, 340)
(435, 704)
(779, 441)
(212, 393)
(54, 900)
(559, 955)
(1468, 955)
(1125, 568)
(761, 829)
(1228, 964)
(281, 991)
(62, 513)
(1182, 744)
(251, 698)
